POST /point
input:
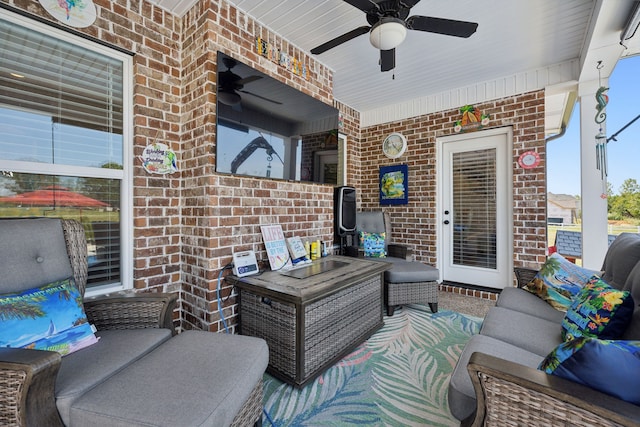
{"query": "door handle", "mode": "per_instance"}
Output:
(446, 221)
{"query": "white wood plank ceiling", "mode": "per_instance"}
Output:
(519, 46)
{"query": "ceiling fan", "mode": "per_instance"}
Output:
(389, 21)
(231, 84)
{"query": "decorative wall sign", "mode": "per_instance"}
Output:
(74, 13)
(529, 160)
(269, 51)
(158, 158)
(394, 185)
(472, 119)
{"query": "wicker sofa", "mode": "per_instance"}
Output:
(139, 372)
(496, 380)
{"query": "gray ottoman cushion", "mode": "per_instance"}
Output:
(82, 370)
(525, 302)
(528, 332)
(404, 271)
(161, 388)
(461, 396)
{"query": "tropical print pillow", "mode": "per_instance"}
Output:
(598, 311)
(558, 281)
(47, 318)
(373, 244)
(612, 367)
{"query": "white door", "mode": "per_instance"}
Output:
(475, 231)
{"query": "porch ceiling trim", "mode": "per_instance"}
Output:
(502, 87)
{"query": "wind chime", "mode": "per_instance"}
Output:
(601, 139)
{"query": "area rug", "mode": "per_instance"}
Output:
(398, 377)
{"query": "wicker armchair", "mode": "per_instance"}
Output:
(408, 281)
(27, 377)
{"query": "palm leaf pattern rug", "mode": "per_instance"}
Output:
(398, 377)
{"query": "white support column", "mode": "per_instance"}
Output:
(594, 206)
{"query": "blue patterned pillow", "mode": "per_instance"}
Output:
(558, 281)
(598, 311)
(47, 318)
(612, 367)
(373, 244)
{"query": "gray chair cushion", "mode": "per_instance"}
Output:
(33, 253)
(528, 332)
(525, 302)
(84, 369)
(461, 395)
(372, 222)
(181, 383)
(622, 256)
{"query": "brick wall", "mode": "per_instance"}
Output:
(224, 213)
(415, 223)
(187, 225)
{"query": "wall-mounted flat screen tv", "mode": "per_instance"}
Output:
(268, 129)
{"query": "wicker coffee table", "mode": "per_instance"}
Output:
(312, 322)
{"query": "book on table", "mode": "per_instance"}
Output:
(276, 246)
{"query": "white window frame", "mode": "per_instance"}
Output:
(126, 174)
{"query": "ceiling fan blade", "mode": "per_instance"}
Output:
(340, 39)
(409, 3)
(248, 80)
(447, 27)
(387, 60)
(363, 5)
(261, 97)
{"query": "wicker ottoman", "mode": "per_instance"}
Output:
(410, 282)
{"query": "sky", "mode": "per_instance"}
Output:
(563, 159)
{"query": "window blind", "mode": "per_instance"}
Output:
(61, 103)
(474, 208)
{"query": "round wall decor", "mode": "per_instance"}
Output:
(394, 145)
(529, 159)
(77, 13)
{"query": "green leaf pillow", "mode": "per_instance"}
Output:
(558, 281)
(50, 317)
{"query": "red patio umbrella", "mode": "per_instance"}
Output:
(53, 195)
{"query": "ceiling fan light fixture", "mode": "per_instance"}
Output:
(229, 98)
(388, 33)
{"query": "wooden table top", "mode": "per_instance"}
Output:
(341, 272)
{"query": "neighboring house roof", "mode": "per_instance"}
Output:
(565, 201)
(569, 243)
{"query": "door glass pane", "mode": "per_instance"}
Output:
(474, 208)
